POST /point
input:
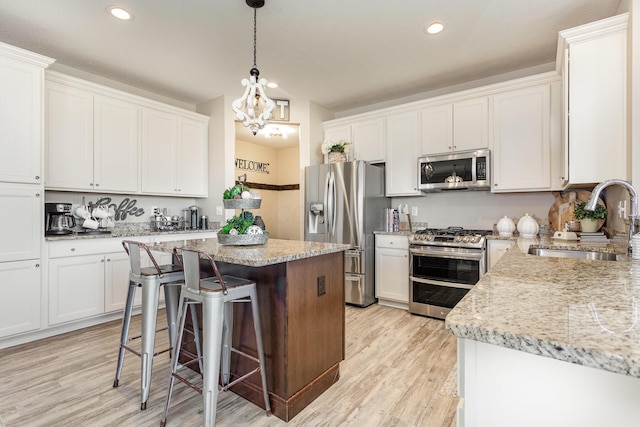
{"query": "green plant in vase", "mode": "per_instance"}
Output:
(589, 219)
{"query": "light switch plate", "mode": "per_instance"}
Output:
(414, 211)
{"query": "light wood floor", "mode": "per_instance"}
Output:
(399, 371)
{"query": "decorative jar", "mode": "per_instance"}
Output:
(527, 226)
(505, 227)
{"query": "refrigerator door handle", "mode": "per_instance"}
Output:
(327, 204)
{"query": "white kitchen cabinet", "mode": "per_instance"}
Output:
(401, 176)
(22, 219)
(116, 284)
(337, 133)
(594, 68)
(521, 139)
(368, 140)
(76, 288)
(21, 83)
(457, 126)
(496, 249)
(92, 141)
(392, 270)
(174, 154)
(20, 283)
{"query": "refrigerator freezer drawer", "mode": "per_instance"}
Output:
(354, 289)
(353, 261)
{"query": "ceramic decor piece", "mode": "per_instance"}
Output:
(506, 227)
(528, 226)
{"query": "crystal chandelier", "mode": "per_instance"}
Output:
(254, 107)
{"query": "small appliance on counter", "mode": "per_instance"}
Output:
(59, 219)
(193, 221)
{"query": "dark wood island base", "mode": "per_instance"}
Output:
(301, 299)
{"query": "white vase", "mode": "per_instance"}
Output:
(505, 227)
(336, 157)
(528, 226)
(589, 225)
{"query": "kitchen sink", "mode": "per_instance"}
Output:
(569, 253)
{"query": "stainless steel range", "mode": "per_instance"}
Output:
(444, 265)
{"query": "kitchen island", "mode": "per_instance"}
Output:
(550, 341)
(302, 320)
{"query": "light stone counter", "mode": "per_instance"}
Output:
(578, 311)
(275, 251)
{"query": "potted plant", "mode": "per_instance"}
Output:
(589, 219)
(335, 150)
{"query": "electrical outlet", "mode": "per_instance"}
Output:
(322, 286)
(414, 211)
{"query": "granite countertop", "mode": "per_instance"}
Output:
(275, 251)
(579, 311)
(120, 232)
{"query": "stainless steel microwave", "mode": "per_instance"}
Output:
(465, 170)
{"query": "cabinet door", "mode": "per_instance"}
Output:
(402, 155)
(337, 133)
(191, 158)
(471, 124)
(76, 288)
(521, 144)
(496, 249)
(21, 214)
(597, 109)
(20, 122)
(392, 274)
(116, 282)
(436, 124)
(19, 297)
(159, 141)
(368, 140)
(69, 138)
(115, 145)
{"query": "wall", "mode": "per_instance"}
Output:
(476, 209)
(280, 210)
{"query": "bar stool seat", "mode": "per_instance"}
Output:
(217, 295)
(150, 279)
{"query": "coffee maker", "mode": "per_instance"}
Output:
(58, 219)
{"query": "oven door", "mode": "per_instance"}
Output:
(440, 277)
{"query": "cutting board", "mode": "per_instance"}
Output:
(561, 210)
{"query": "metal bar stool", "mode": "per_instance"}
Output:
(150, 279)
(217, 295)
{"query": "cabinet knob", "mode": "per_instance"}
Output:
(37, 177)
(495, 184)
(108, 259)
(73, 249)
(450, 147)
(37, 194)
(97, 185)
(91, 184)
(37, 265)
(102, 260)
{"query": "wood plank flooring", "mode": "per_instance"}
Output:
(398, 371)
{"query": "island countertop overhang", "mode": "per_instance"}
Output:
(583, 312)
(274, 251)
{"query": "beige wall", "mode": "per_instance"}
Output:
(280, 210)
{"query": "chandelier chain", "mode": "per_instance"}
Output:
(254, 37)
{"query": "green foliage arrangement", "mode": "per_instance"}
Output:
(240, 223)
(234, 192)
(579, 212)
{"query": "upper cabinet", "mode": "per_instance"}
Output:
(593, 61)
(21, 82)
(174, 154)
(401, 174)
(521, 130)
(367, 138)
(102, 140)
(457, 126)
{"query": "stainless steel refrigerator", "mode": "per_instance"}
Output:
(345, 203)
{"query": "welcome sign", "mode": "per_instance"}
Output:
(252, 165)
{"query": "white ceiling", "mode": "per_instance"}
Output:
(341, 54)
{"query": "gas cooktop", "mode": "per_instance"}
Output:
(450, 236)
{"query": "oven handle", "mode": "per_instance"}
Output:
(474, 256)
(447, 284)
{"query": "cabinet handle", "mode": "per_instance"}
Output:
(37, 194)
(102, 260)
(108, 259)
(450, 147)
(37, 265)
(495, 185)
(97, 185)
(37, 177)
(73, 249)
(91, 184)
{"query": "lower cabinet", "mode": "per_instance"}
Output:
(495, 249)
(116, 282)
(392, 270)
(19, 297)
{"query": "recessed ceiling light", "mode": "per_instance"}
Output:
(120, 13)
(272, 85)
(434, 28)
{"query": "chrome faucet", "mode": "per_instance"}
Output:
(633, 194)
